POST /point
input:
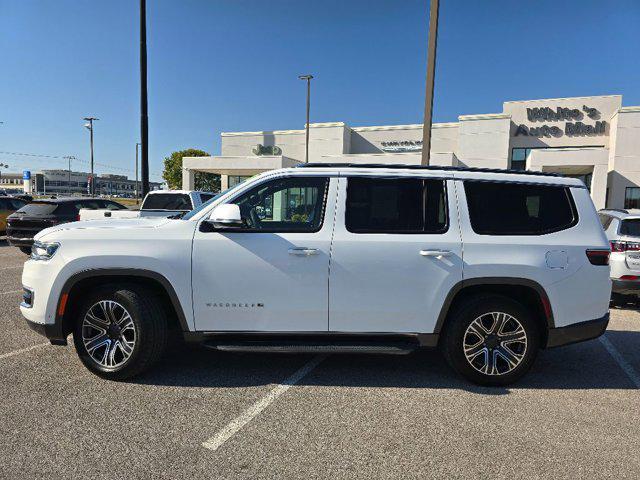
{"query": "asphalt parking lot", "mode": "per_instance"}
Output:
(205, 414)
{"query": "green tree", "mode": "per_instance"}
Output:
(208, 182)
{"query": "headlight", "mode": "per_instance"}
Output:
(43, 250)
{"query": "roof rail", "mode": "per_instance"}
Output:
(425, 167)
(620, 210)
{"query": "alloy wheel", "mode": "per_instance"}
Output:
(108, 334)
(495, 343)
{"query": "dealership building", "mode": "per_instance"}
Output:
(595, 139)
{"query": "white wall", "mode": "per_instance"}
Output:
(483, 141)
(624, 155)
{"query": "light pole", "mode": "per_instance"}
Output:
(2, 165)
(90, 127)
(431, 72)
(308, 79)
(144, 117)
(137, 145)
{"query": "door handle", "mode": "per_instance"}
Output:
(436, 253)
(303, 251)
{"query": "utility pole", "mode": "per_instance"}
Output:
(137, 145)
(144, 118)
(308, 79)
(431, 72)
(69, 158)
(90, 127)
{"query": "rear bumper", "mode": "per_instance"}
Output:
(626, 287)
(578, 332)
(19, 241)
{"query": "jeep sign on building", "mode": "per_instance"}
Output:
(595, 139)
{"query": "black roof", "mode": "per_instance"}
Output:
(425, 167)
(65, 199)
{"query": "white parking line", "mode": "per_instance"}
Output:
(11, 291)
(23, 350)
(254, 410)
(624, 365)
(10, 268)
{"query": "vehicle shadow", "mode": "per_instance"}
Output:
(627, 303)
(582, 366)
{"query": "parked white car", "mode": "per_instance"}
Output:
(157, 203)
(488, 265)
(622, 228)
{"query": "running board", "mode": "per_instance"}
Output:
(399, 348)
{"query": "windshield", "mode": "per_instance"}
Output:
(197, 210)
(630, 227)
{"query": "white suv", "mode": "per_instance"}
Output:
(488, 265)
(622, 228)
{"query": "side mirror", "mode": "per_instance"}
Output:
(226, 216)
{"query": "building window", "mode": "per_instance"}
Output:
(519, 158)
(236, 179)
(632, 197)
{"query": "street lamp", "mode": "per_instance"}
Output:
(431, 73)
(89, 126)
(2, 165)
(308, 79)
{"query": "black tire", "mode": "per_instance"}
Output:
(504, 373)
(150, 327)
(25, 250)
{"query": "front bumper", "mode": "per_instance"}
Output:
(53, 331)
(626, 287)
(578, 332)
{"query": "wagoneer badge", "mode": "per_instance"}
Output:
(234, 305)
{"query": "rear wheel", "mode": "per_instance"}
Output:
(491, 340)
(25, 250)
(120, 332)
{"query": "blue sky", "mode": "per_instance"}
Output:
(225, 65)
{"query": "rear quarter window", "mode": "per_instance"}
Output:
(502, 208)
(605, 220)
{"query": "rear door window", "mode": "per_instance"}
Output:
(502, 208)
(395, 205)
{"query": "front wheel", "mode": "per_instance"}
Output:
(25, 250)
(120, 332)
(491, 340)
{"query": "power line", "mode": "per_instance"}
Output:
(64, 158)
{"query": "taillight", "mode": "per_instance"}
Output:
(620, 246)
(629, 277)
(598, 257)
(78, 218)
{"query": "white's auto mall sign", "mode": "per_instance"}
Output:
(574, 126)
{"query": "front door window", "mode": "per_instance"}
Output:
(284, 205)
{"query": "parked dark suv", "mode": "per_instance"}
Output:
(40, 214)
